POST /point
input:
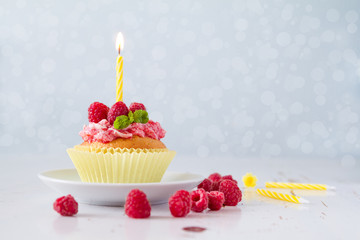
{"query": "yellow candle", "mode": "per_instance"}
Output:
(297, 186)
(281, 196)
(119, 68)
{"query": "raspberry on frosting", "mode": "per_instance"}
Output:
(136, 106)
(97, 112)
(118, 109)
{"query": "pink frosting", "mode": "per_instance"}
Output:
(104, 132)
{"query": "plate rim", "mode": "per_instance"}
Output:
(47, 178)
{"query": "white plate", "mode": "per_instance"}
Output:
(67, 181)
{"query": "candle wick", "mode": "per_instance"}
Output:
(119, 50)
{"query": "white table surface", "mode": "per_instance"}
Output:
(26, 204)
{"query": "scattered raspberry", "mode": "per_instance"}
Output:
(231, 192)
(216, 178)
(216, 200)
(180, 203)
(97, 112)
(118, 109)
(206, 185)
(199, 200)
(229, 177)
(137, 205)
(136, 106)
(66, 205)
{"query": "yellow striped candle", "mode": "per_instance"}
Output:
(119, 67)
(281, 196)
(304, 186)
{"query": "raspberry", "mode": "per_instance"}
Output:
(199, 200)
(216, 178)
(97, 112)
(137, 205)
(206, 185)
(118, 109)
(136, 106)
(66, 205)
(180, 203)
(216, 200)
(231, 192)
(229, 177)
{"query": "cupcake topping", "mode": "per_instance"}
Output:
(120, 122)
(136, 106)
(118, 109)
(123, 121)
(97, 112)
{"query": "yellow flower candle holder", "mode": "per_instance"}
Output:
(249, 180)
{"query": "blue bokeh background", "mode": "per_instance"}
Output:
(265, 79)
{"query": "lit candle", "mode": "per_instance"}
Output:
(119, 67)
(304, 186)
(281, 196)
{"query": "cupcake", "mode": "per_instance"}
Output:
(121, 145)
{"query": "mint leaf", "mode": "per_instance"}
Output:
(131, 116)
(141, 116)
(121, 122)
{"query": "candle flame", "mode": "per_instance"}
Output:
(119, 42)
